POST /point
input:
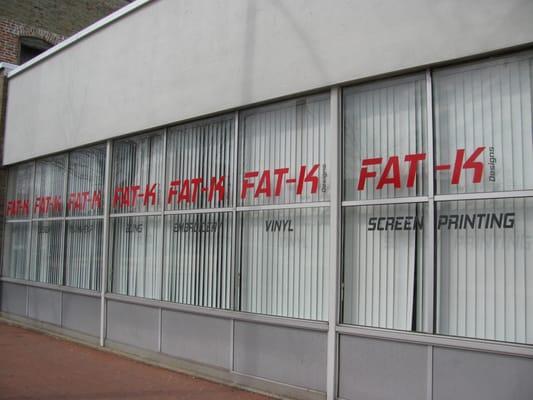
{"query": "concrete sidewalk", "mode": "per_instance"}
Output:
(37, 366)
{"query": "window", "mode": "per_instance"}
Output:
(199, 260)
(483, 126)
(31, 47)
(83, 258)
(484, 144)
(18, 214)
(485, 282)
(136, 257)
(385, 160)
(385, 132)
(283, 252)
(136, 233)
(55, 222)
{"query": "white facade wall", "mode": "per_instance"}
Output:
(172, 60)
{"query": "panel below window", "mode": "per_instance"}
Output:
(384, 251)
(284, 256)
(485, 274)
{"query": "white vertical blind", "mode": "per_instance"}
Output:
(47, 252)
(383, 120)
(284, 258)
(83, 261)
(200, 151)
(198, 263)
(15, 249)
(49, 194)
(136, 261)
(137, 161)
(487, 105)
(485, 279)
(86, 179)
(382, 265)
(19, 187)
(286, 135)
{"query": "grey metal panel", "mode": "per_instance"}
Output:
(262, 49)
(460, 374)
(371, 369)
(133, 324)
(13, 298)
(289, 355)
(44, 305)
(196, 337)
(81, 313)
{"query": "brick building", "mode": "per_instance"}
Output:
(28, 28)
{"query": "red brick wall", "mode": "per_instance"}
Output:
(10, 31)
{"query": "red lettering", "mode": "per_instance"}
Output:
(246, 184)
(216, 185)
(470, 163)
(172, 191)
(278, 173)
(196, 182)
(185, 192)
(413, 160)
(150, 194)
(310, 177)
(365, 174)
(394, 165)
(264, 186)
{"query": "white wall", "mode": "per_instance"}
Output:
(176, 59)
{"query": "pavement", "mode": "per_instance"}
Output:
(38, 366)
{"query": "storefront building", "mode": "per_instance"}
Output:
(310, 232)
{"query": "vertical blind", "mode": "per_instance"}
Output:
(50, 183)
(382, 266)
(15, 250)
(485, 280)
(287, 135)
(19, 187)
(137, 161)
(86, 175)
(83, 261)
(486, 105)
(201, 151)
(136, 261)
(47, 252)
(198, 263)
(284, 254)
(380, 121)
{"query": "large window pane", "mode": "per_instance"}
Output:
(284, 150)
(48, 199)
(385, 127)
(47, 252)
(15, 248)
(383, 265)
(19, 186)
(86, 170)
(136, 261)
(137, 174)
(483, 125)
(284, 258)
(199, 164)
(485, 279)
(83, 261)
(198, 266)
